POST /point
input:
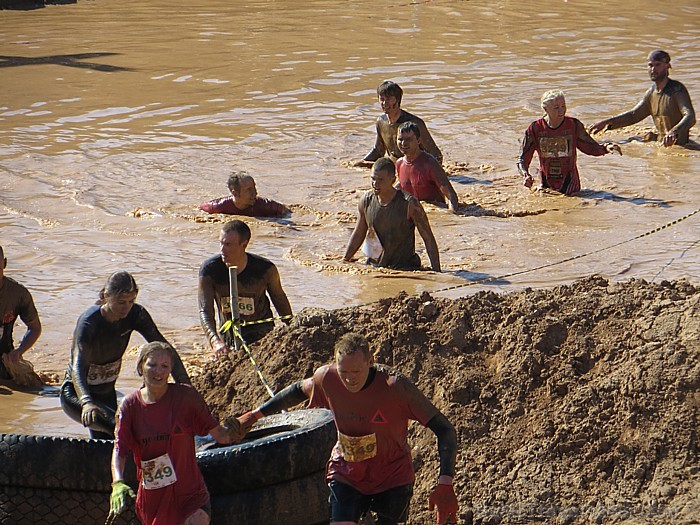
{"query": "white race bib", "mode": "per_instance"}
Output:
(372, 247)
(246, 305)
(157, 473)
(101, 374)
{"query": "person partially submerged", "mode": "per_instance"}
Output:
(556, 137)
(387, 219)
(390, 95)
(667, 102)
(244, 200)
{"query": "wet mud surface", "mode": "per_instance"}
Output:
(573, 405)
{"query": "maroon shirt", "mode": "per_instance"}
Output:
(381, 410)
(262, 208)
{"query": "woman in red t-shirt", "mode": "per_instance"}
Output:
(556, 137)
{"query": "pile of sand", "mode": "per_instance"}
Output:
(573, 405)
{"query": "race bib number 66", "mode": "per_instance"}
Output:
(246, 305)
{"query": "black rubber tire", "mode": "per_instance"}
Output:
(300, 443)
(303, 501)
(279, 448)
(30, 506)
(55, 463)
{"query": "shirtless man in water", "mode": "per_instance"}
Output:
(667, 101)
(390, 95)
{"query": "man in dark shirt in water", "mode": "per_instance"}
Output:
(386, 224)
(667, 101)
(244, 200)
(258, 278)
(388, 123)
(15, 301)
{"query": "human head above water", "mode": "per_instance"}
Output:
(238, 226)
(350, 343)
(3, 260)
(409, 127)
(118, 283)
(659, 55)
(550, 96)
(149, 349)
(384, 164)
(235, 180)
(390, 89)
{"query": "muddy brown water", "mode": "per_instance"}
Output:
(118, 118)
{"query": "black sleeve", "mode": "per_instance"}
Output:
(287, 398)
(447, 443)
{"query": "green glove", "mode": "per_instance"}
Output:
(119, 498)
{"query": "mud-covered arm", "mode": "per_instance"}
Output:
(30, 337)
(276, 292)
(447, 443)
(287, 398)
(379, 149)
(427, 142)
(636, 114)
(420, 219)
(527, 150)
(588, 144)
(446, 189)
(358, 234)
(206, 298)
(685, 106)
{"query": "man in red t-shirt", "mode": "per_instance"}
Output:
(420, 174)
(370, 468)
(244, 200)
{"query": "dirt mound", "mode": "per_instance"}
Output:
(573, 405)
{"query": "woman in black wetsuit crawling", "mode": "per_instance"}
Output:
(101, 337)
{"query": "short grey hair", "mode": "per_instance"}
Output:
(551, 95)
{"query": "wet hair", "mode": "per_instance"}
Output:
(660, 55)
(235, 180)
(550, 95)
(118, 283)
(350, 343)
(410, 126)
(384, 164)
(390, 89)
(149, 349)
(238, 226)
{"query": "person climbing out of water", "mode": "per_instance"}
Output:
(244, 200)
(157, 424)
(667, 101)
(370, 468)
(390, 95)
(101, 336)
(556, 137)
(419, 173)
(258, 283)
(387, 219)
(15, 301)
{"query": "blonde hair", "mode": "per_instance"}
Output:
(151, 348)
(550, 95)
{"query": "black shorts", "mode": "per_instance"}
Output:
(348, 504)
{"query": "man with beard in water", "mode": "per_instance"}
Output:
(388, 123)
(386, 222)
(667, 101)
(370, 468)
(15, 301)
(258, 278)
